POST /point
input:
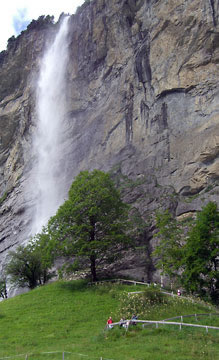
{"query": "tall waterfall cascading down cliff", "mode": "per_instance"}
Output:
(47, 142)
(141, 102)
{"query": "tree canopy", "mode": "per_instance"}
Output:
(201, 253)
(92, 224)
(191, 255)
(169, 250)
(26, 267)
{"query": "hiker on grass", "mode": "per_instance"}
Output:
(121, 322)
(109, 323)
(126, 325)
(134, 317)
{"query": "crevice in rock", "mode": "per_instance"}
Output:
(8, 247)
(170, 91)
(168, 147)
(130, 7)
(144, 113)
(164, 26)
(129, 123)
(142, 64)
(164, 123)
(3, 238)
(161, 120)
(111, 131)
(107, 73)
(212, 5)
(143, 67)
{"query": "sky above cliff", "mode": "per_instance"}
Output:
(15, 15)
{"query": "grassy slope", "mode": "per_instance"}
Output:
(71, 316)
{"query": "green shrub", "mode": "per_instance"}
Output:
(154, 297)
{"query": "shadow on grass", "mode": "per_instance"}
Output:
(74, 285)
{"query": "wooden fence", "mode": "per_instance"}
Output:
(62, 355)
(121, 281)
(127, 323)
(133, 282)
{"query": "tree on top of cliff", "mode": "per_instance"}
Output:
(92, 224)
(42, 22)
(83, 6)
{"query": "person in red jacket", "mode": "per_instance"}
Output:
(109, 322)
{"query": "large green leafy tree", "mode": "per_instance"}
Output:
(92, 224)
(201, 253)
(169, 250)
(191, 255)
(26, 267)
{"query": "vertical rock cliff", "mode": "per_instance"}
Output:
(142, 102)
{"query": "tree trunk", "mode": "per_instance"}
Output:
(93, 267)
(92, 256)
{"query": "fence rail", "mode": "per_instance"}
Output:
(127, 323)
(124, 281)
(62, 355)
(191, 315)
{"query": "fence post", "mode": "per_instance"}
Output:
(181, 318)
(26, 357)
(206, 329)
(156, 325)
(63, 355)
(180, 326)
(196, 317)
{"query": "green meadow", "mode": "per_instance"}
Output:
(71, 316)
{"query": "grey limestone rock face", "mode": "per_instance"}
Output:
(142, 103)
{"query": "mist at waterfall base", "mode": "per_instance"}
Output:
(50, 167)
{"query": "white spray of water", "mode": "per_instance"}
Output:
(51, 100)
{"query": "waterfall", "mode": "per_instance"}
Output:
(47, 143)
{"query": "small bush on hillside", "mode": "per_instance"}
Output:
(154, 305)
(141, 303)
(154, 297)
